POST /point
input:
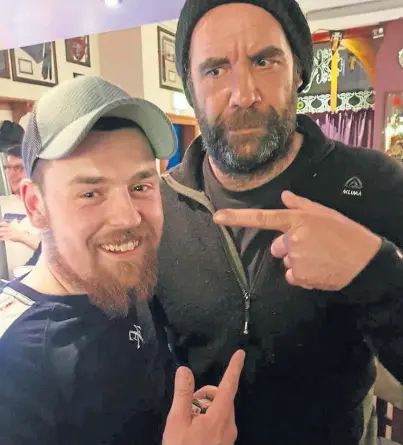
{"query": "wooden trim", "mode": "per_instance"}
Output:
(17, 107)
(189, 133)
(182, 120)
(397, 426)
(14, 99)
(187, 121)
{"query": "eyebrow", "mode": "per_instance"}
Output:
(268, 52)
(96, 180)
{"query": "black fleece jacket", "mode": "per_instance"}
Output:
(309, 368)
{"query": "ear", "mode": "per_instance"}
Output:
(298, 81)
(34, 203)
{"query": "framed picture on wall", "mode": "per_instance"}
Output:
(169, 78)
(35, 64)
(77, 74)
(78, 50)
(4, 65)
(393, 124)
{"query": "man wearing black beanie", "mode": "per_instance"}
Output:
(312, 294)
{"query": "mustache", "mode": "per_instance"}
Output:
(126, 236)
(247, 119)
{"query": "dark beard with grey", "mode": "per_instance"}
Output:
(250, 153)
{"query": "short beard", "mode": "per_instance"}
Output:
(113, 293)
(264, 150)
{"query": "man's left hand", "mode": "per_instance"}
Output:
(320, 247)
(8, 232)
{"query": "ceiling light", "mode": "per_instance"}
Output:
(112, 3)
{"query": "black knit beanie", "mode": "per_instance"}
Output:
(11, 135)
(287, 12)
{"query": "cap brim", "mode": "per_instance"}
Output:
(146, 115)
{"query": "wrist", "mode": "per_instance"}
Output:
(382, 275)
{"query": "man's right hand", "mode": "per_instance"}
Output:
(217, 426)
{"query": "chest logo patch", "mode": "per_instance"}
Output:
(135, 336)
(353, 187)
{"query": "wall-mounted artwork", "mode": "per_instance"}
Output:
(4, 65)
(169, 78)
(78, 50)
(77, 74)
(35, 64)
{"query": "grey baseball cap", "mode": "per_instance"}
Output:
(63, 117)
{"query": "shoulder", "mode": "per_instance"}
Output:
(33, 335)
(374, 164)
(366, 185)
(28, 397)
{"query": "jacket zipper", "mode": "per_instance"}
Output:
(227, 241)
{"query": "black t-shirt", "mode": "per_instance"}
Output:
(253, 244)
(71, 375)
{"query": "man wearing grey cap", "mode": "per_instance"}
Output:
(309, 293)
(83, 358)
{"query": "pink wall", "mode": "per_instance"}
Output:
(121, 59)
(389, 74)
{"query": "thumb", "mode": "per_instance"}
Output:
(184, 388)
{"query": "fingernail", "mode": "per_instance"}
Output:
(219, 218)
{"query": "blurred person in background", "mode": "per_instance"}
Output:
(22, 239)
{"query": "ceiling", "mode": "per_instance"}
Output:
(44, 20)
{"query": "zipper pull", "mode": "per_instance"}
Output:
(247, 313)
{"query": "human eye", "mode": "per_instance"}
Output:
(89, 195)
(142, 188)
(265, 63)
(215, 72)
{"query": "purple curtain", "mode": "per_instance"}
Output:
(350, 127)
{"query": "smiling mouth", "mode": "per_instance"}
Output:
(121, 248)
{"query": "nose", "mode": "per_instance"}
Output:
(244, 92)
(123, 213)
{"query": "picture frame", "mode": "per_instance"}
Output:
(77, 75)
(78, 50)
(393, 123)
(4, 65)
(35, 64)
(169, 77)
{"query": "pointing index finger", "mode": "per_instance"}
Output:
(224, 399)
(278, 220)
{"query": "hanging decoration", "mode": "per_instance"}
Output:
(377, 36)
(335, 40)
(352, 62)
(351, 100)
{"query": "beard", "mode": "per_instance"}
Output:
(112, 289)
(246, 154)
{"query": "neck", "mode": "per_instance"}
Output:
(45, 281)
(249, 182)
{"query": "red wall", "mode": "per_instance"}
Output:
(389, 74)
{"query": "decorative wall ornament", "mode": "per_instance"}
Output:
(78, 50)
(35, 64)
(321, 72)
(320, 103)
(4, 65)
(335, 40)
(169, 78)
(400, 57)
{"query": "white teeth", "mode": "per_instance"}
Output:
(121, 247)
